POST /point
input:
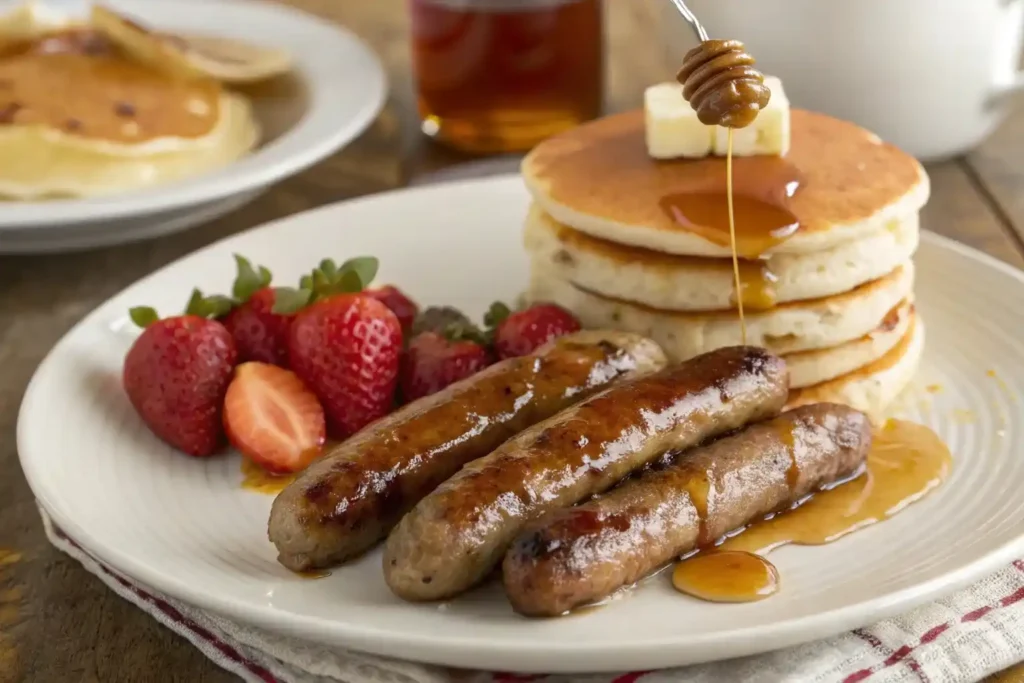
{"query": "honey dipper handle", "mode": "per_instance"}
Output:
(691, 19)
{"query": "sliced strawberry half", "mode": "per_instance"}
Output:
(273, 419)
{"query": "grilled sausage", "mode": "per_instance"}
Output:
(454, 537)
(352, 497)
(583, 554)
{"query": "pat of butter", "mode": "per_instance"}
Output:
(673, 131)
(768, 135)
(671, 126)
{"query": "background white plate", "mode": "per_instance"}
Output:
(341, 88)
(185, 527)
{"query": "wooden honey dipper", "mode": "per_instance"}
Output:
(719, 79)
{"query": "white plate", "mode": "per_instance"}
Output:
(339, 88)
(119, 230)
(185, 527)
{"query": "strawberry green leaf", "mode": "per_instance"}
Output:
(349, 282)
(321, 283)
(218, 305)
(306, 282)
(328, 268)
(195, 303)
(249, 280)
(496, 314)
(288, 300)
(143, 316)
(365, 267)
(460, 331)
(208, 306)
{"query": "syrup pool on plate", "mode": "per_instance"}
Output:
(906, 462)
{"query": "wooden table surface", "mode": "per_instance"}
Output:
(57, 622)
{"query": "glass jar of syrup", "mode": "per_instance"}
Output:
(497, 76)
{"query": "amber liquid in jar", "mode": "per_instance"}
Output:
(497, 76)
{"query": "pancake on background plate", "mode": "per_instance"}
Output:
(85, 116)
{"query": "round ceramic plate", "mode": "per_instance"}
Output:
(187, 528)
(336, 89)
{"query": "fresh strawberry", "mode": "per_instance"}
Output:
(401, 305)
(521, 333)
(346, 349)
(431, 362)
(260, 321)
(440, 319)
(177, 372)
(272, 418)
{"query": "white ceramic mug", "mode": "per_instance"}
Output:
(931, 76)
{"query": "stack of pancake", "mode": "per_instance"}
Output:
(825, 237)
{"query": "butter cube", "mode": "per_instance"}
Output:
(768, 135)
(671, 126)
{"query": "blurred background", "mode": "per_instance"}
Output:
(494, 76)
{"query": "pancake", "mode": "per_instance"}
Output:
(838, 183)
(105, 103)
(191, 57)
(83, 119)
(807, 368)
(48, 167)
(29, 21)
(799, 326)
(874, 387)
(688, 283)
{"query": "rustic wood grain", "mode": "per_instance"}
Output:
(996, 168)
(58, 623)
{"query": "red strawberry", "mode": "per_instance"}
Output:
(260, 334)
(346, 349)
(263, 315)
(401, 305)
(176, 374)
(272, 418)
(432, 362)
(519, 334)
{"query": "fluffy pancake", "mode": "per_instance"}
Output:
(799, 326)
(50, 167)
(874, 387)
(839, 182)
(687, 283)
(84, 119)
(807, 368)
(191, 57)
(105, 103)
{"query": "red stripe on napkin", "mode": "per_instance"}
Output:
(903, 653)
(179, 618)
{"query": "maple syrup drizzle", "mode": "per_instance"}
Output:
(906, 462)
(312, 574)
(258, 480)
(732, 238)
(726, 576)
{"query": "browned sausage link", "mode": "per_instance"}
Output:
(350, 498)
(456, 535)
(583, 554)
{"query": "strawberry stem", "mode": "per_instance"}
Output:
(288, 300)
(249, 280)
(213, 306)
(143, 316)
(496, 314)
(327, 279)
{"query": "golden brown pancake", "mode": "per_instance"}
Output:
(103, 96)
(798, 326)
(694, 283)
(837, 182)
(873, 387)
